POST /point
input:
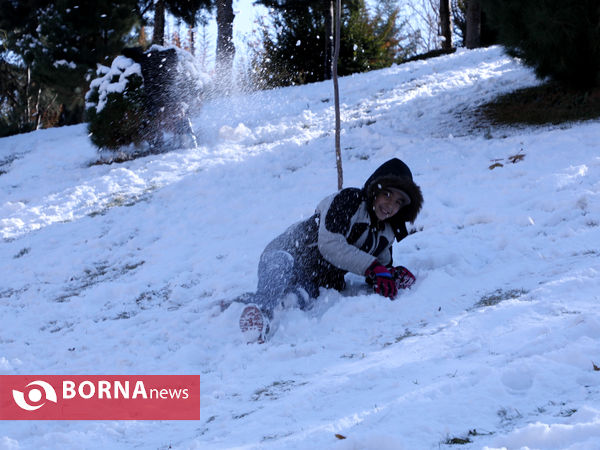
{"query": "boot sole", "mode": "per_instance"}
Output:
(252, 324)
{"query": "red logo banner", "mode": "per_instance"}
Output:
(99, 397)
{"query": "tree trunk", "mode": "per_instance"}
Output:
(158, 37)
(191, 39)
(445, 24)
(28, 111)
(225, 48)
(473, 32)
(38, 118)
(329, 41)
(336, 92)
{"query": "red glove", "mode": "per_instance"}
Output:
(384, 283)
(403, 277)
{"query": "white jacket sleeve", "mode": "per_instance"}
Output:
(335, 248)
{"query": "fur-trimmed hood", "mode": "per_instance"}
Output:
(394, 173)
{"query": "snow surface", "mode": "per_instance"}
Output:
(119, 269)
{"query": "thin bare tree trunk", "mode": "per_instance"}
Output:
(329, 42)
(28, 112)
(191, 39)
(445, 24)
(336, 92)
(38, 119)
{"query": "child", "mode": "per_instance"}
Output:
(351, 231)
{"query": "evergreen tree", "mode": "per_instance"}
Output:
(14, 117)
(62, 41)
(372, 43)
(296, 53)
(559, 39)
(115, 106)
(141, 103)
(187, 10)
(17, 89)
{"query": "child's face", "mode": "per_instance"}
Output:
(388, 202)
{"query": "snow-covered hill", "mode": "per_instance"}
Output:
(119, 269)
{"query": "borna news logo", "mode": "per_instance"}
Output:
(99, 397)
(35, 396)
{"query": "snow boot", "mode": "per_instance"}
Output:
(254, 324)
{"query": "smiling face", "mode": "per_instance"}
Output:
(388, 202)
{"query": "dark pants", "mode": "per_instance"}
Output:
(277, 277)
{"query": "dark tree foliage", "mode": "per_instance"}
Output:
(61, 42)
(143, 101)
(122, 120)
(559, 39)
(370, 43)
(13, 82)
(187, 10)
(296, 52)
(52, 48)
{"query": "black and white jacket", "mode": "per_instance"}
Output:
(344, 235)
